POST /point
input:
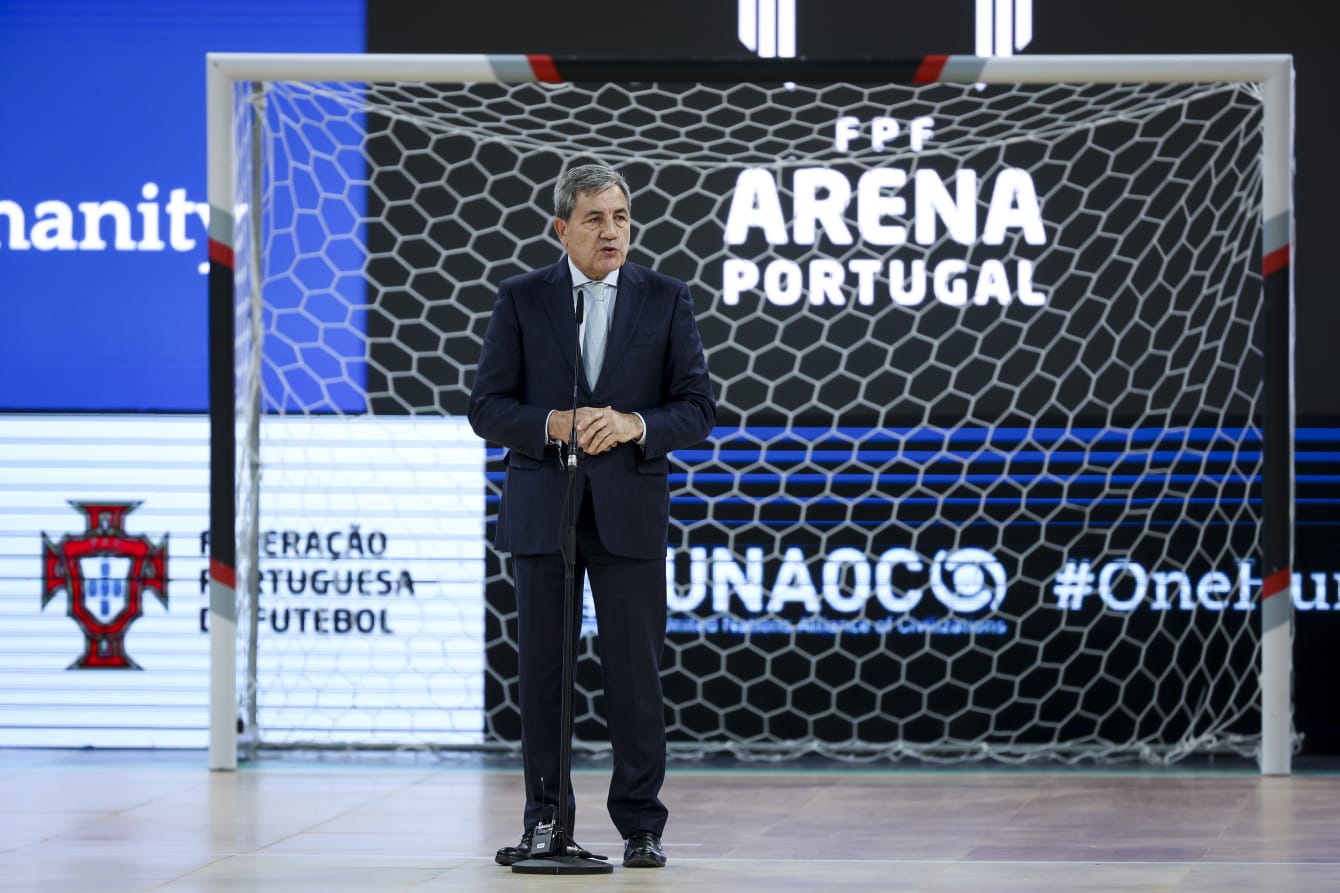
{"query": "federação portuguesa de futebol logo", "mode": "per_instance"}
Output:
(104, 572)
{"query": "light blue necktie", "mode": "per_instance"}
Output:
(597, 330)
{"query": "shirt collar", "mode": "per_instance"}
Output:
(579, 278)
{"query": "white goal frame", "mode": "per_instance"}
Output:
(1273, 73)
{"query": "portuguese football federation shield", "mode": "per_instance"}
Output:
(105, 572)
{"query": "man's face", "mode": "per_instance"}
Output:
(596, 235)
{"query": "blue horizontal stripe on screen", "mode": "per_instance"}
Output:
(988, 435)
(696, 456)
(1083, 457)
(913, 479)
(854, 478)
(736, 454)
(1227, 440)
(777, 500)
(972, 522)
(1001, 433)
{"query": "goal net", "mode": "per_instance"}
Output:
(991, 467)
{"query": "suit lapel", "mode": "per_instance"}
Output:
(557, 301)
(627, 308)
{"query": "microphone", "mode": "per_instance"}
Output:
(576, 375)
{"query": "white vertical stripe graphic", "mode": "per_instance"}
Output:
(748, 29)
(1003, 26)
(984, 43)
(417, 483)
(1004, 43)
(768, 27)
(1023, 23)
(786, 28)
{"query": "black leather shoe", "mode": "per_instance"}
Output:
(642, 849)
(511, 854)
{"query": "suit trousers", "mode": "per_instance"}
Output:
(630, 605)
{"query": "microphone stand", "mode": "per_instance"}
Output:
(553, 849)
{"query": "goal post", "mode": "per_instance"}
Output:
(913, 415)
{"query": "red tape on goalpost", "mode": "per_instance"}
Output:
(1276, 583)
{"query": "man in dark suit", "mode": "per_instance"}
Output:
(643, 391)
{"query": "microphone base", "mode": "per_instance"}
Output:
(562, 865)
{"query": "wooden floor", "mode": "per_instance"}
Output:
(109, 821)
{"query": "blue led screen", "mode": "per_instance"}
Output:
(103, 209)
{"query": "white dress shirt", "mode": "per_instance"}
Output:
(611, 282)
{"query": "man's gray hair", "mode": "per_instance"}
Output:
(587, 178)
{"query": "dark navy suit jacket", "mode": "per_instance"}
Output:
(654, 365)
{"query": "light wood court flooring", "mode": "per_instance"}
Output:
(109, 821)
